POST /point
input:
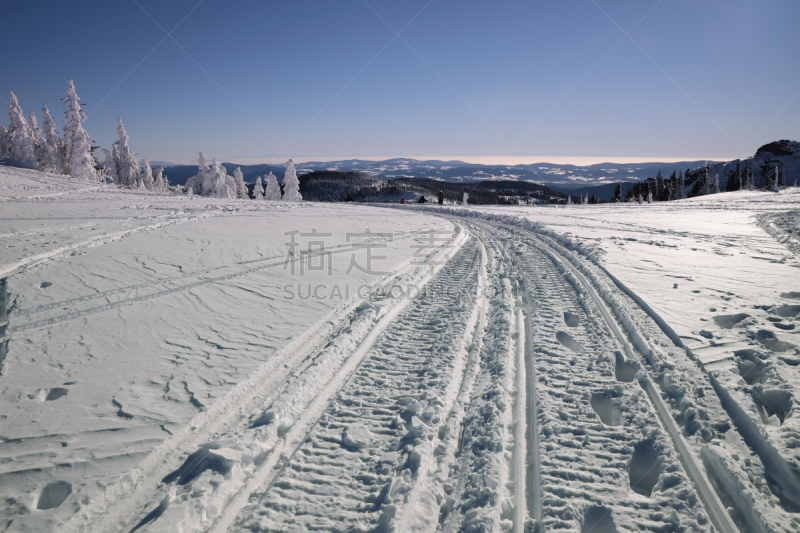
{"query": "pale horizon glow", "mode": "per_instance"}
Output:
(478, 160)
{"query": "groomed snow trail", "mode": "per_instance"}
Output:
(366, 463)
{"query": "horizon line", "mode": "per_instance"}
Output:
(480, 160)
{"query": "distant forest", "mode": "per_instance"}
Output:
(337, 186)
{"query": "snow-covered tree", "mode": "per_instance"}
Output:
(569, 200)
(189, 192)
(778, 177)
(110, 167)
(158, 179)
(241, 188)
(258, 190)
(649, 197)
(38, 140)
(78, 158)
(20, 136)
(464, 199)
(52, 149)
(212, 181)
(127, 165)
(273, 191)
(713, 184)
(4, 147)
(291, 185)
(147, 175)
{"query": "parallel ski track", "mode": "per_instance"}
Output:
(399, 396)
(198, 276)
(228, 416)
(714, 507)
(567, 382)
(105, 238)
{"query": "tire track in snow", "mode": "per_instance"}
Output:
(226, 427)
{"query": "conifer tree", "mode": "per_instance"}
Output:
(778, 177)
(110, 167)
(766, 173)
(258, 190)
(291, 185)
(714, 184)
(38, 140)
(660, 189)
(127, 165)
(22, 145)
(52, 149)
(158, 179)
(147, 175)
(241, 188)
(4, 147)
(78, 158)
(273, 191)
(617, 193)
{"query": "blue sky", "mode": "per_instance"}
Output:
(253, 81)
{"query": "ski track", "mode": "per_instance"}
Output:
(160, 289)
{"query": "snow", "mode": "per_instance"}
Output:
(628, 367)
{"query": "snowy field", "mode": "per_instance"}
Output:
(173, 364)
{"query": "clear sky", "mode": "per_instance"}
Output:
(252, 81)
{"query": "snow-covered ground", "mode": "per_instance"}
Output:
(584, 368)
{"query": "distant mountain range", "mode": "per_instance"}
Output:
(598, 180)
(562, 177)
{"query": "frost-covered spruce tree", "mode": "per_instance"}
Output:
(649, 197)
(241, 188)
(147, 175)
(4, 148)
(78, 158)
(213, 181)
(53, 161)
(20, 137)
(223, 186)
(158, 179)
(110, 167)
(273, 191)
(258, 190)
(569, 200)
(127, 165)
(38, 140)
(714, 184)
(291, 185)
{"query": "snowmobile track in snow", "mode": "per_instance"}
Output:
(289, 397)
(372, 450)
